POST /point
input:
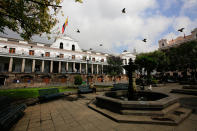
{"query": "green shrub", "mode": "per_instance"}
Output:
(78, 80)
(154, 81)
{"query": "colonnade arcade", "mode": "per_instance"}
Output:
(26, 65)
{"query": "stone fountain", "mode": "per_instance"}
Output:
(132, 106)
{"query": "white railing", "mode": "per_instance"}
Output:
(5, 52)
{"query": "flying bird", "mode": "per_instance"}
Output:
(100, 45)
(80, 1)
(78, 31)
(144, 40)
(181, 30)
(124, 10)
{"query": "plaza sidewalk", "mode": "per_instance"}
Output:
(72, 114)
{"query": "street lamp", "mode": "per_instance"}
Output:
(87, 71)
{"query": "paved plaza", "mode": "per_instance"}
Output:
(72, 114)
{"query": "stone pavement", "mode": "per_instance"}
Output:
(72, 114)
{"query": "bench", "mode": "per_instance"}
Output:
(120, 86)
(84, 89)
(9, 113)
(46, 94)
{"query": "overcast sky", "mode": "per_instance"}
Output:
(101, 22)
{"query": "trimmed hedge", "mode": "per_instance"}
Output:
(78, 80)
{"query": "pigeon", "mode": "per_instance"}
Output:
(90, 48)
(124, 10)
(5, 47)
(78, 31)
(181, 30)
(144, 40)
(100, 45)
(80, 1)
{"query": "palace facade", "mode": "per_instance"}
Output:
(38, 64)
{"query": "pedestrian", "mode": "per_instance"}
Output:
(93, 87)
(150, 88)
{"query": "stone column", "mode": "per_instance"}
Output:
(66, 66)
(60, 66)
(51, 67)
(42, 69)
(124, 63)
(92, 69)
(33, 65)
(79, 67)
(23, 65)
(73, 66)
(10, 64)
(97, 70)
(86, 68)
(102, 69)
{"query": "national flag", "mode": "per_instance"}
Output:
(80, 1)
(64, 25)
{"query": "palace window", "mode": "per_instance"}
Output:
(162, 44)
(31, 52)
(12, 50)
(61, 45)
(84, 57)
(73, 57)
(61, 55)
(47, 54)
(102, 60)
(37, 68)
(73, 47)
(93, 59)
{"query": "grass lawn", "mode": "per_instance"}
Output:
(27, 92)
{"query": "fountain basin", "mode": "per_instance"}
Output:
(159, 109)
(110, 102)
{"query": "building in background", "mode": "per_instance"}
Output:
(41, 63)
(165, 44)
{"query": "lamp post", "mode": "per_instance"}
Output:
(143, 79)
(87, 72)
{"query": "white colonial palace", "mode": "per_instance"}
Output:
(62, 56)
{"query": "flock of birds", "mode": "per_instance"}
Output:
(124, 11)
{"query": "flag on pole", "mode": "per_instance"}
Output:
(64, 25)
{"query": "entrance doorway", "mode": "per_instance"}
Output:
(2, 81)
(55, 66)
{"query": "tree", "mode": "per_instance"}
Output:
(78, 80)
(161, 60)
(114, 67)
(147, 62)
(28, 17)
(183, 57)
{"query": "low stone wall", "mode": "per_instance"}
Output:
(24, 85)
(17, 80)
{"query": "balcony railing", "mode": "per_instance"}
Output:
(5, 52)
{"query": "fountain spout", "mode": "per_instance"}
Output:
(130, 69)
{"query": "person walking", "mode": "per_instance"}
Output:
(93, 87)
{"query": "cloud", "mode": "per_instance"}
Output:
(185, 22)
(101, 22)
(170, 36)
(168, 4)
(189, 6)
